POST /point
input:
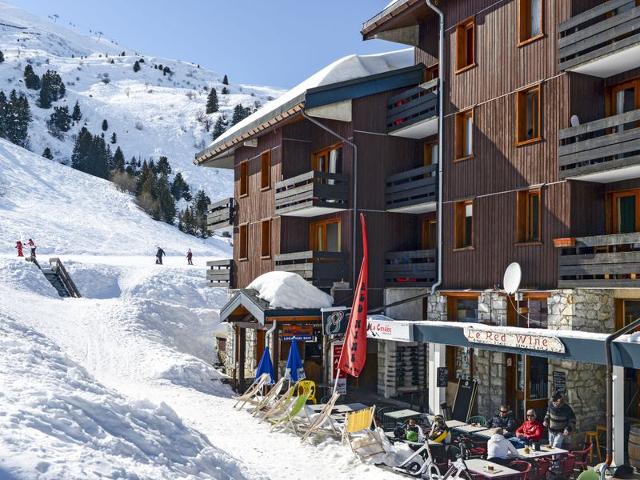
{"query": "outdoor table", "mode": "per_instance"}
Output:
(486, 433)
(544, 452)
(340, 409)
(466, 428)
(479, 466)
(450, 423)
(400, 415)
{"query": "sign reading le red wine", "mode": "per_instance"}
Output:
(511, 339)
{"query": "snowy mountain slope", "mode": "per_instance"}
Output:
(152, 114)
(69, 212)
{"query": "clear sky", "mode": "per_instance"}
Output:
(268, 42)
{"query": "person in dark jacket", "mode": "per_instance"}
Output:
(159, 254)
(504, 420)
(189, 257)
(32, 246)
(560, 420)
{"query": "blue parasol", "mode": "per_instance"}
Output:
(265, 366)
(294, 370)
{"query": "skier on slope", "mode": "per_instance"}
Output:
(32, 246)
(159, 254)
(19, 247)
(189, 257)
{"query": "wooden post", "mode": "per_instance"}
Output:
(276, 351)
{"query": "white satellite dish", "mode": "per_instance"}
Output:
(512, 277)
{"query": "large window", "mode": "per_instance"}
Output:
(328, 160)
(462, 308)
(244, 179)
(265, 239)
(464, 135)
(528, 115)
(528, 216)
(533, 311)
(265, 170)
(465, 45)
(464, 224)
(243, 241)
(325, 235)
(530, 18)
(430, 153)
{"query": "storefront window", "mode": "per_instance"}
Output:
(534, 313)
(466, 310)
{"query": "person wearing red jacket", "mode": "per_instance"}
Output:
(531, 430)
(19, 247)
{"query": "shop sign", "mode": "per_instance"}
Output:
(303, 333)
(390, 330)
(336, 350)
(512, 339)
(335, 320)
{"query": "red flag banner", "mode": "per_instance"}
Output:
(354, 352)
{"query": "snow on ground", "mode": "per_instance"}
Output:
(289, 290)
(152, 114)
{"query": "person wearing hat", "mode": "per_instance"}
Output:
(439, 431)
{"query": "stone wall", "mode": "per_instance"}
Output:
(437, 307)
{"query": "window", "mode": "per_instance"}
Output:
(429, 234)
(528, 116)
(528, 216)
(265, 170)
(465, 45)
(530, 17)
(328, 160)
(243, 242)
(431, 73)
(244, 179)
(464, 224)
(464, 135)
(462, 308)
(430, 153)
(325, 235)
(624, 211)
(265, 239)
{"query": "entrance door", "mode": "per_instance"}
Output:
(623, 98)
(429, 234)
(624, 211)
(536, 384)
(626, 312)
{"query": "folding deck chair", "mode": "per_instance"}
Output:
(269, 397)
(278, 407)
(319, 420)
(286, 420)
(253, 391)
(357, 431)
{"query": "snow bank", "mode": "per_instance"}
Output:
(289, 290)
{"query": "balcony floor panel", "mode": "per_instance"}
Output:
(310, 211)
(606, 176)
(611, 64)
(421, 129)
(425, 207)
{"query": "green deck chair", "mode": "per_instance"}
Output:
(287, 418)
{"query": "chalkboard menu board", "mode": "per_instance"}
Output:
(559, 382)
(443, 377)
(465, 398)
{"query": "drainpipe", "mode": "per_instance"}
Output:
(441, 66)
(354, 221)
(607, 344)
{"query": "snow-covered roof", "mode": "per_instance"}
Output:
(347, 68)
(289, 290)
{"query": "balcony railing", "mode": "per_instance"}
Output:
(415, 107)
(598, 147)
(603, 261)
(220, 215)
(416, 268)
(413, 191)
(322, 269)
(220, 273)
(312, 194)
(590, 41)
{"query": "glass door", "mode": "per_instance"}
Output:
(625, 207)
(325, 235)
(625, 98)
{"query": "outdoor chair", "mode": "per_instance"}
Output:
(542, 467)
(286, 420)
(567, 463)
(523, 467)
(279, 406)
(478, 419)
(269, 397)
(363, 441)
(581, 461)
(253, 391)
(316, 423)
(308, 387)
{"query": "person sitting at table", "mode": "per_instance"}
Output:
(500, 450)
(413, 432)
(439, 431)
(531, 430)
(504, 420)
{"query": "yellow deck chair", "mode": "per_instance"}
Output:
(308, 387)
(357, 431)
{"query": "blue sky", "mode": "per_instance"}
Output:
(272, 42)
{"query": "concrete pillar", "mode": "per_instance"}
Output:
(437, 359)
(618, 415)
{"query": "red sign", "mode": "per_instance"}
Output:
(335, 358)
(296, 330)
(355, 341)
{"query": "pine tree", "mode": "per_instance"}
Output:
(31, 80)
(100, 156)
(136, 66)
(76, 116)
(132, 167)
(15, 116)
(80, 159)
(180, 189)
(114, 139)
(47, 153)
(212, 101)
(59, 121)
(166, 71)
(118, 160)
(240, 113)
(1, 56)
(225, 80)
(219, 128)
(166, 200)
(51, 89)
(105, 125)
(4, 108)
(163, 167)
(225, 91)
(201, 204)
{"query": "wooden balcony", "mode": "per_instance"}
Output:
(603, 261)
(220, 216)
(322, 269)
(415, 268)
(414, 112)
(606, 150)
(220, 273)
(413, 191)
(312, 194)
(602, 41)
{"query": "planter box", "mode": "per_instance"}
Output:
(564, 242)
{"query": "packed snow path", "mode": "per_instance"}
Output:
(145, 332)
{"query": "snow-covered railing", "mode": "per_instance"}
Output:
(63, 275)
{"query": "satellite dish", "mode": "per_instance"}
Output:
(512, 277)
